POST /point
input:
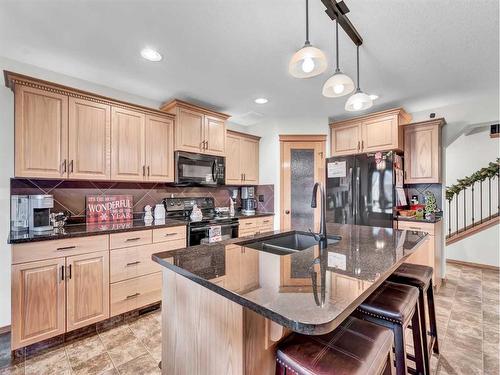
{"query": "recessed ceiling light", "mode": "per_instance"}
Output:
(151, 54)
(373, 97)
(261, 100)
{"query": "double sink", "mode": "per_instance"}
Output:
(287, 243)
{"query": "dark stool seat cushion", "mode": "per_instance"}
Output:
(391, 301)
(413, 274)
(355, 347)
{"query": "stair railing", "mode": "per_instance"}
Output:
(458, 191)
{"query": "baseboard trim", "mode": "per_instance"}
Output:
(471, 264)
(5, 329)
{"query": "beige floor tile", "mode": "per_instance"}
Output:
(13, 370)
(457, 328)
(52, 362)
(491, 359)
(116, 336)
(126, 352)
(144, 365)
(459, 363)
(145, 327)
(98, 364)
(82, 350)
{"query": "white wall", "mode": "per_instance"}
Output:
(7, 156)
(466, 155)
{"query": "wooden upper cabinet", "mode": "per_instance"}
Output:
(159, 149)
(41, 133)
(38, 301)
(422, 162)
(89, 140)
(190, 132)
(62, 132)
(249, 160)
(87, 289)
(197, 129)
(242, 158)
(346, 139)
(215, 135)
(128, 145)
(233, 159)
(374, 132)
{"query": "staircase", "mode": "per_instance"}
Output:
(473, 203)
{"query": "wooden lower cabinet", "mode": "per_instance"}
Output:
(87, 289)
(134, 293)
(38, 301)
(242, 265)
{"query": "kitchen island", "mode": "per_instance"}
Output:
(226, 305)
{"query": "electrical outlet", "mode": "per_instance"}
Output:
(261, 198)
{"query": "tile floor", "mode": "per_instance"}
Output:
(468, 328)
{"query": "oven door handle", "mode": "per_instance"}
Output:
(208, 227)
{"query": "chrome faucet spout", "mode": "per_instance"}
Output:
(322, 234)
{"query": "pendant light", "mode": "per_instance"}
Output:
(359, 101)
(309, 61)
(339, 84)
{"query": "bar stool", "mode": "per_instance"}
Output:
(420, 277)
(395, 306)
(355, 347)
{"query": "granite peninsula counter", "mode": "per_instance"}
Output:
(229, 295)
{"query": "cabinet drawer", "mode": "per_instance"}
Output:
(134, 293)
(28, 252)
(248, 223)
(169, 234)
(266, 228)
(265, 221)
(422, 227)
(247, 232)
(129, 239)
(132, 262)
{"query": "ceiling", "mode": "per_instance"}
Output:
(422, 54)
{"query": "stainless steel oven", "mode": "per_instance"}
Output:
(198, 169)
(198, 231)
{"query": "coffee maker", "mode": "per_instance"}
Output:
(248, 202)
(39, 212)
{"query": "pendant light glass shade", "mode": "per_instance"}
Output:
(359, 101)
(339, 84)
(308, 61)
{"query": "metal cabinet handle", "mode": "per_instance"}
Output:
(171, 234)
(416, 228)
(206, 145)
(133, 295)
(144, 170)
(148, 170)
(362, 145)
(287, 212)
(62, 273)
(64, 169)
(358, 145)
(69, 273)
(248, 223)
(133, 263)
(133, 239)
(71, 166)
(66, 248)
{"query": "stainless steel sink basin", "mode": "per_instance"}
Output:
(287, 243)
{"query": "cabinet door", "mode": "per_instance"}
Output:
(87, 289)
(379, 134)
(215, 136)
(249, 270)
(346, 139)
(38, 301)
(422, 154)
(233, 267)
(233, 159)
(159, 149)
(249, 161)
(89, 138)
(189, 131)
(41, 133)
(127, 145)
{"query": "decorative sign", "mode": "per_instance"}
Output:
(215, 234)
(109, 208)
(337, 169)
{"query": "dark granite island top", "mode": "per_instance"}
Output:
(306, 291)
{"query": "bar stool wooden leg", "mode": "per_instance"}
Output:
(432, 318)
(399, 349)
(423, 330)
(418, 347)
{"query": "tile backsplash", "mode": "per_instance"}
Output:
(420, 189)
(70, 195)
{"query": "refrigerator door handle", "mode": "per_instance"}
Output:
(350, 196)
(356, 200)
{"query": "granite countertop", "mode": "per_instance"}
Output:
(282, 287)
(436, 219)
(239, 215)
(84, 230)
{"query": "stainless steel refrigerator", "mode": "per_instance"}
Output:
(361, 189)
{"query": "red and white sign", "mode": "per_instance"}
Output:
(109, 208)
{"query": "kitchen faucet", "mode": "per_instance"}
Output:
(321, 236)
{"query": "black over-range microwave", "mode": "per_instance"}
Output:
(198, 169)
